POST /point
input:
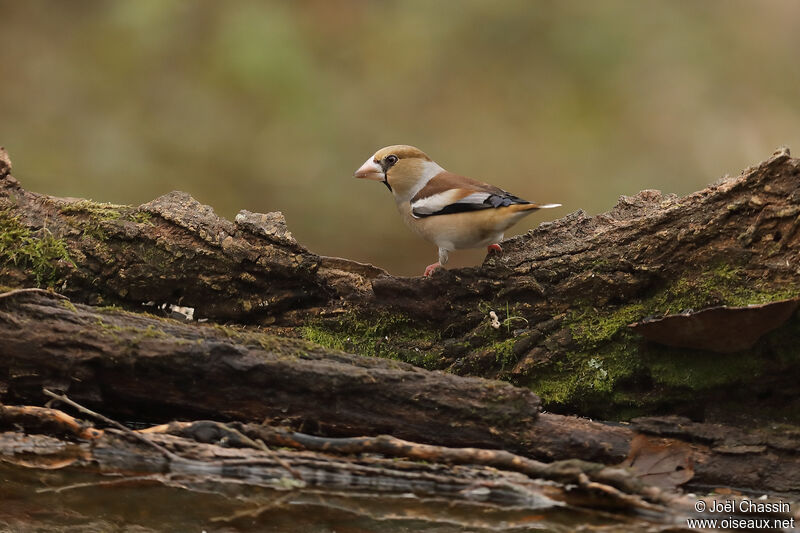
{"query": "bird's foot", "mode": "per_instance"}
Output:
(494, 249)
(430, 268)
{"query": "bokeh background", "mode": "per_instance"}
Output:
(272, 105)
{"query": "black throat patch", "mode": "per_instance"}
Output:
(385, 166)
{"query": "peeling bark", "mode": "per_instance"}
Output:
(251, 482)
(241, 452)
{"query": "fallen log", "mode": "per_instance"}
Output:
(148, 369)
(212, 448)
(213, 458)
(249, 484)
(564, 293)
(563, 296)
(145, 368)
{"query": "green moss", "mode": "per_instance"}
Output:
(97, 210)
(380, 335)
(698, 369)
(66, 304)
(504, 353)
(95, 215)
(138, 334)
(40, 252)
(556, 385)
(129, 335)
(323, 337)
(591, 328)
(141, 217)
(614, 371)
(287, 347)
(114, 309)
(723, 285)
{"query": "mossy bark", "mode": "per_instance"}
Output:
(564, 293)
(146, 369)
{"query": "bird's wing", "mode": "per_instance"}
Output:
(448, 193)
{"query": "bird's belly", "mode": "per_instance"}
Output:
(457, 231)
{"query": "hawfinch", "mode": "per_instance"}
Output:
(449, 210)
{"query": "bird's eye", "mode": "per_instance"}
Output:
(391, 159)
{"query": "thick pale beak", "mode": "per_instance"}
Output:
(370, 170)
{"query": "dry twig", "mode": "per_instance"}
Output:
(15, 292)
(127, 431)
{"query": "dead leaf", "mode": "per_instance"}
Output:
(718, 329)
(46, 463)
(662, 465)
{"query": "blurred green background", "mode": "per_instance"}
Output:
(272, 105)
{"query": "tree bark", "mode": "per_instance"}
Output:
(115, 360)
(564, 292)
(146, 369)
(466, 486)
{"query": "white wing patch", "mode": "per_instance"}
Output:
(475, 198)
(437, 202)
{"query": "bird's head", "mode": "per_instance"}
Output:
(403, 169)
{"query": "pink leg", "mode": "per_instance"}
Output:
(430, 268)
(494, 248)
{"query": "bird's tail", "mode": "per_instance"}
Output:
(532, 207)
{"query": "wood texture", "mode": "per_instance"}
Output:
(564, 293)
